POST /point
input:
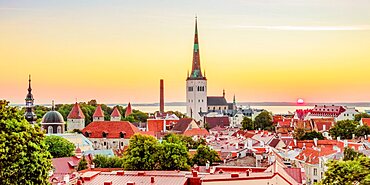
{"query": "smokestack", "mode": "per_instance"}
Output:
(161, 97)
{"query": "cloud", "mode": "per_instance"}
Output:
(307, 28)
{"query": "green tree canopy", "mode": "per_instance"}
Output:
(263, 121)
(103, 161)
(173, 156)
(247, 124)
(355, 169)
(189, 142)
(204, 154)
(59, 147)
(24, 158)
(142, 153)
(311, 135)
(363, 130)
(82, 165)
(343, 129)
(361, 115)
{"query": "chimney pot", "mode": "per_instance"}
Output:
(141, 173)
(195, 174)
(152, 179)
(107, 182)
(130, 183)
(120, 173)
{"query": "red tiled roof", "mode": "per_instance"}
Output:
(76, 112)
(284, 123)
(112, 128)
(320, 126)
(182, 125)
(365, 121)
(65, 165)
(311, 156)
(155, 125)
(115, 112)
(295, 173)
(217, 121)
(98, 112)
(128, 110)
(160, 177)
(196, 132)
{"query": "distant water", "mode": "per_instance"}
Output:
(273, 109)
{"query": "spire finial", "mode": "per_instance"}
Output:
(29, 83)
(223, 93)
(52, 105)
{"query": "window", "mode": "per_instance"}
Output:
(59, 129)
(50, 130)
(86, 134)
(121, 143)
(198, 100)
(105, 143)
(202, 100)
(105, 134)
(122, 135)
(315, 171)
(190, 88)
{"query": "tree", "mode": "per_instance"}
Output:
(142, 153)
(204, 154)
(361, 115)
(363, 130)
(312, 135)
(103, 161)
(24, 158)
(350, 154)
(189, 142)
(299, 133)
(343, 129)
(247, 123)
(82, 165)
(173, 156)
(59, 147)
(263, 121)
(354, 170)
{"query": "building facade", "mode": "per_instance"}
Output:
(75, 118)
(196, 85)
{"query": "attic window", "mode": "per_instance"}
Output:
(87, 134)
(122, 134)
(105, 134)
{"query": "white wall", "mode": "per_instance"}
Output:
(196, 101)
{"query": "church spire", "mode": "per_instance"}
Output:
(195, 70)
(30, 115)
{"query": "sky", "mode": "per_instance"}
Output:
(117, 51)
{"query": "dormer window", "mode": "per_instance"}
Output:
(105, 134)
(122, 134)
(87, 134)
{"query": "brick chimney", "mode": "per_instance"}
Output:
(161, 97)
(194, 180)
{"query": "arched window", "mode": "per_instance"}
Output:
(59, 129)
(50, 130)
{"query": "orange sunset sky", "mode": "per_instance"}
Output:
(116, 51)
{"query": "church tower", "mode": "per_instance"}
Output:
(196, 85)
(30, 115)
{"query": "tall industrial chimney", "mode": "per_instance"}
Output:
(161, 97)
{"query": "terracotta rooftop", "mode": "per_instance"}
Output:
(217, 121)
(182, 125)
(115, 112)
(98, 112)
(128, 110)
(76, 112)
(113, 129)
(196, 132)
